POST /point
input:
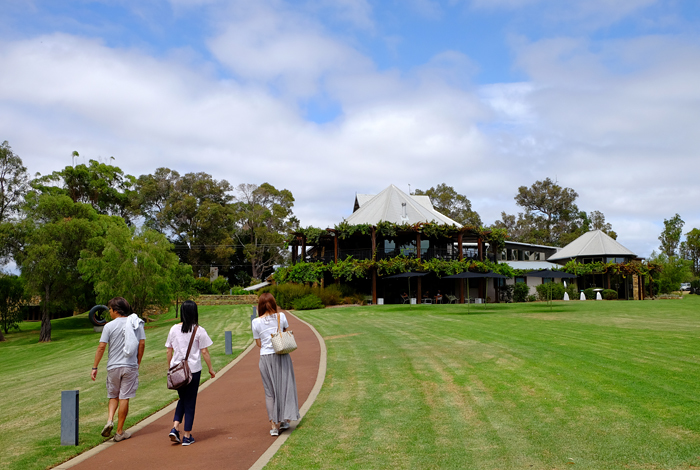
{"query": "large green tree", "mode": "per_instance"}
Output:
(195, 212)
(101, 185)
(552, 208)
(54, 232)
(264, 217)
(449, 202)
(691, 249)
(674, 271)
(14, 183)
(12, 295)
(670, 238)
(137, 264)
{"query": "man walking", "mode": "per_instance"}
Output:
(127, 340)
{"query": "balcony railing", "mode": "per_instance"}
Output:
(366, 253)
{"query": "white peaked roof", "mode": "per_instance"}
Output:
(593, 243)
(388, 206)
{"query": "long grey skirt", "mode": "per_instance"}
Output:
(277, 372)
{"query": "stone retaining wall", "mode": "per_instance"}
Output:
(250, 299)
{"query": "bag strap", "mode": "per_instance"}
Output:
(194, 332)
(279, 328)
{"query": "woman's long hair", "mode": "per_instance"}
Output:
(189, 315)
(120, 305)
(266, 303)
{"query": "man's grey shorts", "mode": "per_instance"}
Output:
(122, 382)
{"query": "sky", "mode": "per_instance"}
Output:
(329, 98)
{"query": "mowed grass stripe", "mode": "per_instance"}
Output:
(597, 384)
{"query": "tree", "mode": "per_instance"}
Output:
(11, 299)
(448, 202)
(552, 208)
(14, 182)
(183, 285)
(674, 271)
(264, 216)
(598, 223)
(55, 231)
(670, 238)
(137, 264)
(692, 249)
(194, 211)
(103, 186)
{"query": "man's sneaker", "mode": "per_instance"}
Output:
(174, 435)
(122, 436)
(187, 440)
(107, 430)
(274, 432)
(284, 426)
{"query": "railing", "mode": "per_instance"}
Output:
(365, 253)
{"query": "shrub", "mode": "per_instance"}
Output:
(308, 302)
(573, 292)
(550, 290)
(520, 292)
(609, 294)
(506, 293)
(237, 290)
(531, 298)
(331, 295)
(590, 293)
(220, 285)
(286, 294)
(203, 286)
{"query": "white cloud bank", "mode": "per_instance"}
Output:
(614, 120)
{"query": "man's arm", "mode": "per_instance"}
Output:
(98, 357)
(142, 346)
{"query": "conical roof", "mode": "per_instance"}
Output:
(393, 205)
(590, 244)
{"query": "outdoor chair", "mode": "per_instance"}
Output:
(451, 299)
(405, 298)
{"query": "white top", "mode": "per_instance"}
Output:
(263, 327)
(179, 342)
(113, 334)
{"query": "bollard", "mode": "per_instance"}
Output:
(69, 418)
(229, 345)
(254, 315)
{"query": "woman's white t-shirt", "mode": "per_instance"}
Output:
(263, 327)
(179, 341)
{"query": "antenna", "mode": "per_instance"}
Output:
(409, 189)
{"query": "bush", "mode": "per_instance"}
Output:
(506, 293)
(609, 294)
(695, 287)
(590, 293)
(308, 302)
(203, 286)
(550, 290)
(573, 292)
(531, 298)
(237, 290)
(220, 285)
(520, 292)
(286, 294)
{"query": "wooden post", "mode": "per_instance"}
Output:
(480, 246)
(418, 245)
(459, 246)
(294, 252)
(419, 297)
(461, 290)
(303, 249)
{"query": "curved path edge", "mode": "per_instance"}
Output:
(320, 378)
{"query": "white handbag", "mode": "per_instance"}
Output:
(283, 342)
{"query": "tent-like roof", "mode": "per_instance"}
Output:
(393, 205)
(594, 243)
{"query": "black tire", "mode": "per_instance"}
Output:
(98, 315)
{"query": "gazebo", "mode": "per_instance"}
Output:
(597, 246)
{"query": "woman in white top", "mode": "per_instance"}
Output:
(177, 343)
(276, 370)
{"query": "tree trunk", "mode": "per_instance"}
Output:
(2, 337)
(45, 333)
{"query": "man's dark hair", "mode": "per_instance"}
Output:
(120, 305)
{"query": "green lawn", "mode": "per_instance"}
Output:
(32, 376)
(586, 385)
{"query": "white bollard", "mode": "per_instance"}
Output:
(583, 296)
(566, 296)
(598, 296)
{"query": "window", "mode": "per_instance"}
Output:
(519, 279)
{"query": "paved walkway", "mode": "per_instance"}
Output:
(231, 427)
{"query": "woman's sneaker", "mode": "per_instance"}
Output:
(187, 440)
(174, 435)
(284, 426)
(274, 432)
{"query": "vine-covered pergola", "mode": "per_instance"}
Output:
(355, 251)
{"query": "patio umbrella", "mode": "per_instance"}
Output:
(408, 276)
(548, 273)
(470, 275)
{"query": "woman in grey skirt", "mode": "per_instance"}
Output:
(276, 370)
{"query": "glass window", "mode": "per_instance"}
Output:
(519, 279)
